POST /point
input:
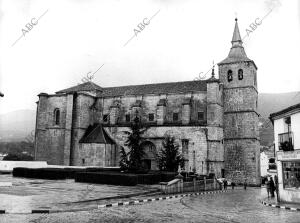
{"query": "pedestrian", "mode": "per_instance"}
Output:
(272, 187)
(276, 187)
(245, 184)
(268, 186)
(232, 185)
(225, 184)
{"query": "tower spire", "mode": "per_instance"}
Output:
(213, 70)
(237, 52)
(236, 38)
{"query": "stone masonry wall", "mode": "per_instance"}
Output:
(241, 145)
(197, 149)
(50, 137)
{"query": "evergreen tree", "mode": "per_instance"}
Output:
(124, 163)
(133, 142)
(169, 157)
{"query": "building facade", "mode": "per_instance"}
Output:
(287, 146)
(214, 121)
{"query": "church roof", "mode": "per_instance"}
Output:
(96, 134)
(237, 52)
(87, 86)
(160, 88)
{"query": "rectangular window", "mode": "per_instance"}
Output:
(200, 116)
(291, 175)
(105, 118)
(175, 116)
(127, 117)
(151, 117)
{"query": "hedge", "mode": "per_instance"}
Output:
(127, 179)
(167, 176)
(56, 173)
(40, 173)
(95, 175)
(148, 178)
(113, 178)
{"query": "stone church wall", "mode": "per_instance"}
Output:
(49, 136)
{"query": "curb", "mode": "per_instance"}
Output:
(280, 206)
(113, 197)
(157, 199)
(49, 211)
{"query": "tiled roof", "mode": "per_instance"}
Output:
(286, 110)
(87, 86)
(160, 88)
(96, 134)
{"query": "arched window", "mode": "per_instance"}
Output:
(240, 74)
(229, 75)
(56, 116)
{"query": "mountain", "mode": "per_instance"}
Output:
(270, 103)
(16, 125)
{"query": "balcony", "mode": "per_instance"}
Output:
(272, 166)
(286, 141)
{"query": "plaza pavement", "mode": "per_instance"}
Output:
(238, 205)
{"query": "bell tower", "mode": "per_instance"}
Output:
(241, 136)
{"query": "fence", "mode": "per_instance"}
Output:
(178, 186)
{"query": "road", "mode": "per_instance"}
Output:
(233, 206)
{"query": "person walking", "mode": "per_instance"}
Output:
(245, 184)
(225, 184)
(232, 185)
(268, 186)
(272, 187)
(276, 187)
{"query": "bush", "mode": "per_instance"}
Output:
(107, 178)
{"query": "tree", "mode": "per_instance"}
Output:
(124, 162)
(133, 159)
(169, 157)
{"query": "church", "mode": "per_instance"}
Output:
(214, 121)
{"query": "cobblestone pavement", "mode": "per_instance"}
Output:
(234, 206)
(28, 194)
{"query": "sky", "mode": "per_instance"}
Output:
(68, 39)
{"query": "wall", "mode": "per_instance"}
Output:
(287, 195)
(197, 137)
(295, 125)
(206, 150)
(93, 154)
(9, 165)
(50, 138)
(149, 105)
(241, 135)
(278, 128)
(264, 164)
